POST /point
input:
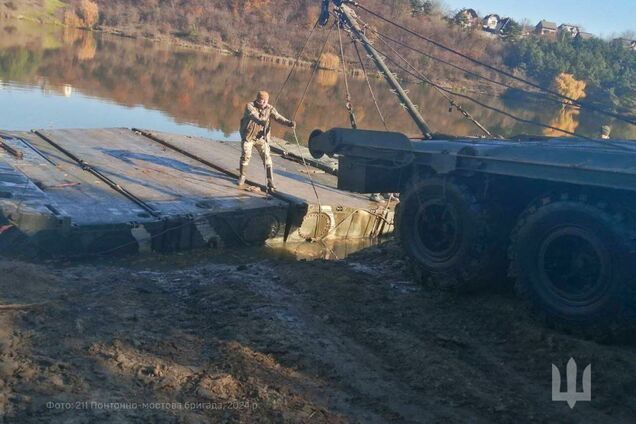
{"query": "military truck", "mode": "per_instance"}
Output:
(556, 215)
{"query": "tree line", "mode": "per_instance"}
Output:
(608, 68)
(279, 27)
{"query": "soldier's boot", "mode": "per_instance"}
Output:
(242, 178)
(271, 188)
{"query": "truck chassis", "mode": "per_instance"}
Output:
(554, 217)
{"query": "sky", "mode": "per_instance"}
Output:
(603, 18)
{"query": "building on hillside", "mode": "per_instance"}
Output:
(627, 43)
(490, 22)
(467, 18)
(584, 36)
(546, 28)
(569, 29)
(502, 25)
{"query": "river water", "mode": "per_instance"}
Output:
(56, 78)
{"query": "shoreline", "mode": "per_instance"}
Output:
(251, 53)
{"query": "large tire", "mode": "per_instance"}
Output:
(573, 263)
(451, 237)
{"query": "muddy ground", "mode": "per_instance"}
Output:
(241, 337)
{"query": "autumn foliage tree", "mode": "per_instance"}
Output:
(72, 20)
(568, 117)
(85, 15)
(569, 86)
(89, 13)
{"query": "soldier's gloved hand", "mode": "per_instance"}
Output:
(292, 124)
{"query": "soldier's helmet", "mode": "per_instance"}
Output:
(262, 95)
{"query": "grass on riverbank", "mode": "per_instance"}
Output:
(49, 11)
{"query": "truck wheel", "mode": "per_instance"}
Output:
(572, 260)
(449, 235)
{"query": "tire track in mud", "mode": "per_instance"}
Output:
(490, 357)
(330, 342)
(275, 327)
(355, 368)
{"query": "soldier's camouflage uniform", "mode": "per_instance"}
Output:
(255, 132)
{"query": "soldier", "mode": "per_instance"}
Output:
(606, 130)
(255, 132)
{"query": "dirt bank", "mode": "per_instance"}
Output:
(246, 338)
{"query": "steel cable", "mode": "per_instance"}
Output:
(348, 105)
(313, 73)
(452, 65)
(302, 99)
(452, 102)
(366, 77)
(291, 72)
(296, 61)
(494, 109)
(570, 100)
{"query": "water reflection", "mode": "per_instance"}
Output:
(59, 78)
(328, 249)
(567, 119)
(302, 251)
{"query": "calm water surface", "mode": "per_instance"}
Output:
(56, 78)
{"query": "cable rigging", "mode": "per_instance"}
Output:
(570, 100)
(296, 61)
(444, 94)
(366, 77)
(486, 106)
(420, 76)
(348, 105)
(462, 69)
(302, 99)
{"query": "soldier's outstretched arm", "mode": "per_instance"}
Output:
(254, 114)
(281, 119)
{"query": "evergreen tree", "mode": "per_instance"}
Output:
(422, 7)
(607, 68)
